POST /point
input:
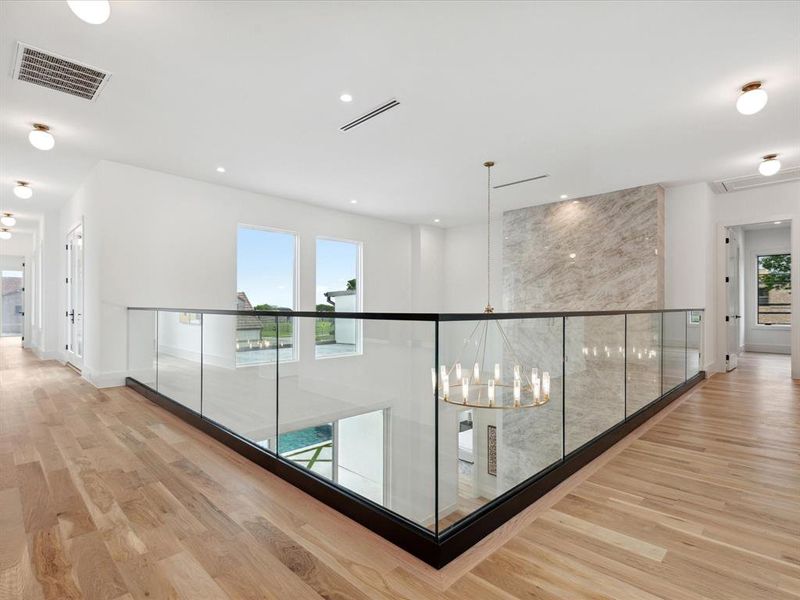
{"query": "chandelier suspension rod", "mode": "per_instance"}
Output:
(488, 164)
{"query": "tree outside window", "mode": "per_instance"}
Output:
(774, 289)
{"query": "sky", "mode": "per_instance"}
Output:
(265, 265)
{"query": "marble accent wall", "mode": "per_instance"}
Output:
(618, 244)
(617, 240)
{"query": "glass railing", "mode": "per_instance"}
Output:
(437, 418)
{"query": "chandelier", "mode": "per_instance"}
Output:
(483, 385)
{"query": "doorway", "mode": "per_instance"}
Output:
(74, 308)
(12, 315)
(758, 289)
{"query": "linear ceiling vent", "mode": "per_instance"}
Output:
(58, 73)
(370, 115)
(502, 185)
(747, 182)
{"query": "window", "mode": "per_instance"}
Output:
(350, 452)
(774, 289)
(338, 290)
(265, 280)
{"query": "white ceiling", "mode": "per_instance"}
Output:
(600, 95)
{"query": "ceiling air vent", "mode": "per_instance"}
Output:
(736, 184)
(502, 185)
(36, 66)
(370, 115)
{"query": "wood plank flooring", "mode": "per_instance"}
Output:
(105, 496)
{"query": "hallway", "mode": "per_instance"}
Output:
(103, 495)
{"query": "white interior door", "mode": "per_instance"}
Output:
(733, 314)
(74, 312)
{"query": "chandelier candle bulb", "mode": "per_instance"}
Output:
(496, 372)
(516, 373)
(517, 392)
(476, 373)
(433, 378)
(458, 371)
(534, 374)
(546, 386)
(537, 391)
(490, 392)
(465, 389)
(446, 386)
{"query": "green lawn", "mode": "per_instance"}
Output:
(324, 330)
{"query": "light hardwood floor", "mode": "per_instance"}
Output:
(104, 495)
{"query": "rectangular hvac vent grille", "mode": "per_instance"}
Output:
(747, 182)
(58, 73)
(370, 115)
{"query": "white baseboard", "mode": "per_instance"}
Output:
(768, 348)
(105, 380)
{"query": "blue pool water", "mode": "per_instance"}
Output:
(304, 437)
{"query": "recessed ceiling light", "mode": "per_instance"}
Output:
(778, 222)
(94, 12)
(220, 169)
(769, 165)
(346, 98)
(353, 201)
(41, 138)
(22, 190)
(5, 234)
(752, 98)
(436, 220)
(8, 220)
(572, 255)
(564, 196)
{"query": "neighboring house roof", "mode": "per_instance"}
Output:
(246, 321)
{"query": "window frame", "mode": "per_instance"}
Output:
(295, 288)
(757, 255)
(359, 351)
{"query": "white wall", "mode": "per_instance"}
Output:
(695, 248)
(153, 239)
(762, 338)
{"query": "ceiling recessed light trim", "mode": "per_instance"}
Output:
(777, 222)
(23, 190)
(220, 169)
(346, 98)
(564, 196)
(752, 98)
(769, 165)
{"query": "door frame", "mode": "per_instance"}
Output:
(69, 356)
(720, 288)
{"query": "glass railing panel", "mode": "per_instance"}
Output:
(142, 360)
(643, 369)
(674, 350)
(485, 451)
(365, 422)
(594, 400)
(694, 342)
(239, 374)
(179, 352)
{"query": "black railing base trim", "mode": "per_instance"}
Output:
(414, 539)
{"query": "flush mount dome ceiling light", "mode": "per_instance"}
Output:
(752, 99)
(5, 234)
(41, 138)
(8, 220)
(21, 190)
(94, 12)
(769, 165)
